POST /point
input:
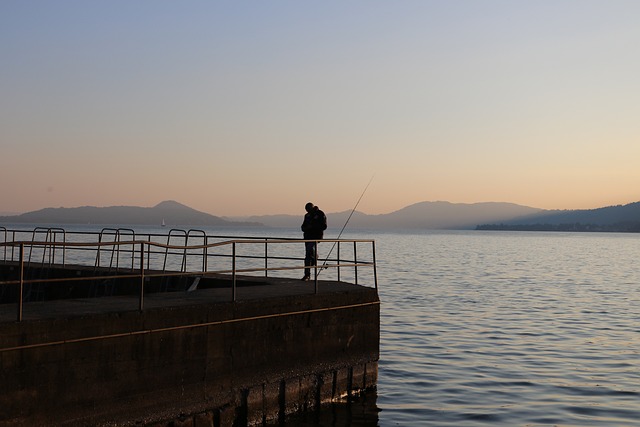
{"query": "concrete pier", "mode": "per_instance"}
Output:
(189, 358)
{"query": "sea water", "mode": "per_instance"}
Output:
(509, 329)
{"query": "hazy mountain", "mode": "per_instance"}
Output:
(172, 213)
(445, 215)
(610, 218)
(424, 215)
(604, 216)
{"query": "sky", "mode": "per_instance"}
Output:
(257, 107)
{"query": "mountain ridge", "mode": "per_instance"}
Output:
(421, 215)
(481, 216)
(622, 218)
(169, 212)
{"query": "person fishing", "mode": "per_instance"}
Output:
(313, 226)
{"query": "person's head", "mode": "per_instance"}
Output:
(309, 207)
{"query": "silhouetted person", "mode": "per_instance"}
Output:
(313, 226)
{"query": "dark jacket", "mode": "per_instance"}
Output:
(314, 224)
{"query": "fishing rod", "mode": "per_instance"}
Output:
(345, 225)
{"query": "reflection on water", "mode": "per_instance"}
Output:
(359, 411)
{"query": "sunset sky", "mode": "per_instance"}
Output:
(243, 108)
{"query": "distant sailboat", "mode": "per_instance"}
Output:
(163, 224)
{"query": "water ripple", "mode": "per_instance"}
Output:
(503, 329)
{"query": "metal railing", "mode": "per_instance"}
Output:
(145, 256)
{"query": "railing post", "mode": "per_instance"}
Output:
(205, 255)
(375, 272)
(141, 306)
(315, 267)
(21, 282)
(266, 258)
(338, 257)
(233, 272)
(149, 251)
(116, 247)
(4, 248)
(355, 262)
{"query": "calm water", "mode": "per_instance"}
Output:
(501, 329)
(509, 329)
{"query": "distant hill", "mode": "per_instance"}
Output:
(171, 212)
(445, 215)
(424, 215)
(622, 218)
(419, 216)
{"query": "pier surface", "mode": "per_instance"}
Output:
(250, 288)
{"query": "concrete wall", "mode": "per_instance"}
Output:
(221, 364)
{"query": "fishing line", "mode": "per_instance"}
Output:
(345, 225)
